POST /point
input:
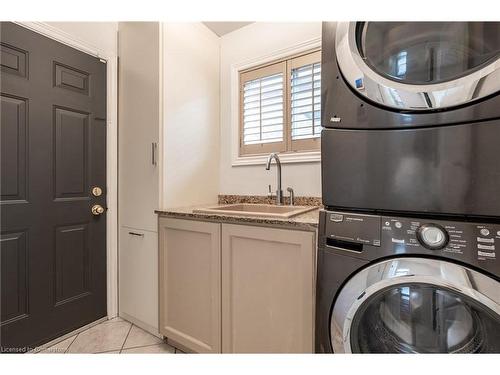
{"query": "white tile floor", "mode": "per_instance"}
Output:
(112, 337)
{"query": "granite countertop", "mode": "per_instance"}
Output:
(306, 221)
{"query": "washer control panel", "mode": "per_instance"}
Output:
(481, 241)
(466, 241)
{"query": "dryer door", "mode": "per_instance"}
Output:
(420, 65)
(416, 305)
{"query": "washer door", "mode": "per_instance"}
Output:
(415, 305)
(420, 65)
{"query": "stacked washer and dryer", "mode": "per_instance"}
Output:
(409, 237)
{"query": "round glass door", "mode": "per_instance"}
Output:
(416, 305)
(424, 53)
(420, 66)
(420, 318)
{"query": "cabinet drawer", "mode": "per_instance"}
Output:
(138, 277)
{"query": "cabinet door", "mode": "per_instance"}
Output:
(138, 277)
(267, 290)
(138, 106)
(190, 286)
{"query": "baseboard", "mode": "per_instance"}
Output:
(139, 323)
(178, 346)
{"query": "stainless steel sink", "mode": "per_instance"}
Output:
(257, 210)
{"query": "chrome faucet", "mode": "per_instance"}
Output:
(279, 192)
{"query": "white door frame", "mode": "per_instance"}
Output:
(111, 149)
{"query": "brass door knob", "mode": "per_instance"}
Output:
(97, 209)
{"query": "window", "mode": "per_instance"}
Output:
(280, 106)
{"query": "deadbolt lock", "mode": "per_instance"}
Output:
(97, 209)
(96, 191)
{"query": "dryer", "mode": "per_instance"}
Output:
(411, 112)
(398, 284)
(387, 75)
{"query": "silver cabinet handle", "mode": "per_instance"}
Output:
(154, 148)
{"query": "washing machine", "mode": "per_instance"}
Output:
(411, 116)
(403, 284)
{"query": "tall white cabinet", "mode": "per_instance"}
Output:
(168, 88)
(138, 170)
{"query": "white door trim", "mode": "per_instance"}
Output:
(111, 149)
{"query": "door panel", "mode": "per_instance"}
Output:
(53, 152)
(70, 78)
(14, 60)
(71, 153)
(72, 271)
(13, 153)
(14, 276)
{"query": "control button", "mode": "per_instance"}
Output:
(486, 247)
(398, 225)
(498, 233)
(484, 232)
(388, 224)
(432, 236)
(486, 240)
(483, 254)
(336, 218)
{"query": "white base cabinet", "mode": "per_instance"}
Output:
(138, 277)
(190, 284)
(236, 288)
(267, 290)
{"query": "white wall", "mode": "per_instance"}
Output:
(191, 115)
(102, 35)
(251, 42)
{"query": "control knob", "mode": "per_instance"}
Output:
(432, 236)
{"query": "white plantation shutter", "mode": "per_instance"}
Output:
(305, 102)
(305, 96)
(262, 109)
(280, 106)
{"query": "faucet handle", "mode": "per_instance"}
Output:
(270, 193)
(292, 196)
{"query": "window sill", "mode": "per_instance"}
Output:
(285, 158)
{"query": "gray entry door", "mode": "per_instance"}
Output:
(53, 153)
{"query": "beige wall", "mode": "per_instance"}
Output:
(191, 115)
(251, 42)
(197, 106)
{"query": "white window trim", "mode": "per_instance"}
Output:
(289, 157)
